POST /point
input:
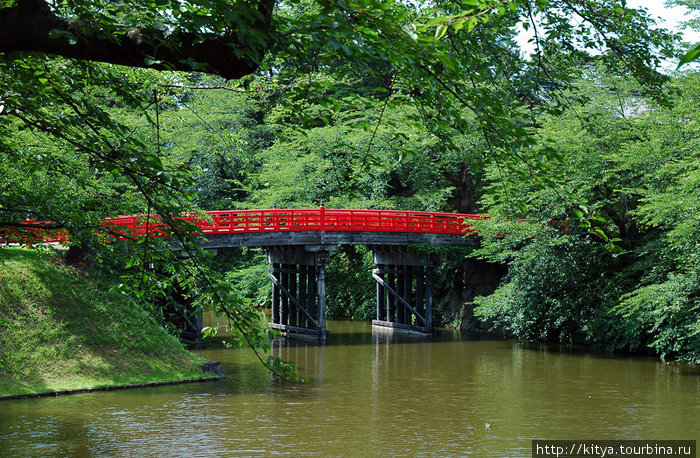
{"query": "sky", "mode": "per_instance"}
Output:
(670, 17)
(666, 17)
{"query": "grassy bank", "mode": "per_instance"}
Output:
(60, 329)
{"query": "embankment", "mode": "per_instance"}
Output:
(61, 329)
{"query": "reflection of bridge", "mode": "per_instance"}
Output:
(298, 244)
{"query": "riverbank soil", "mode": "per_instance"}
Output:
(60, 329)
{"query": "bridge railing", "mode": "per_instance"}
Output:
(282, 220)
(35, 232)
(322, 219)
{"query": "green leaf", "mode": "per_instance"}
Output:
(440, 31)
(56, 33)
(598, 231)
(150, 61)
(692, 54)
(437, 20)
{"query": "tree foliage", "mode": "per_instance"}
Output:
(621, 273)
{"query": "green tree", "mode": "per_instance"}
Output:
(620, 271)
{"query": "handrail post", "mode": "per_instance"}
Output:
(322, 215)
(275, 217)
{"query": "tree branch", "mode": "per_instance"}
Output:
(32, 26)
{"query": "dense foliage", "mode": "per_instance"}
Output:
(610, 256)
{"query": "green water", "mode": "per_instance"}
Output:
(372, 394)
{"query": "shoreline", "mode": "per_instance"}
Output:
(129, 386)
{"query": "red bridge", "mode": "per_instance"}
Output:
(298, 244)
(318, 219)
(450, 228)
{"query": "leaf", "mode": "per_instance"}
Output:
(437, 20)
(598, 231)
(440, 31)
(164, 177)
(56, 33)
(692, 54)
(150, 60)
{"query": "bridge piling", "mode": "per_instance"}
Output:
(404, 290)
(391, 299)
(299, 291)
(420, 290)
(276, 317)
(321, 293)
(429, 296)
(381, 301)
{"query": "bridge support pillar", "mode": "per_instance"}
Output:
(404, 290)
(298, 278)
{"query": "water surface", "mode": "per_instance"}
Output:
(372, 394)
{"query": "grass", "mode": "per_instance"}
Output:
(61, 329)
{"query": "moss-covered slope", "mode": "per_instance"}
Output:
(60, 329)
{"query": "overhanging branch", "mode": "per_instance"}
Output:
(32, 26)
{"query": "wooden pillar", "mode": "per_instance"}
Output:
(391, 281)
(400, 289)
(408, 295)
(381, 297)
(420, 291)
(321, 292)
(293, 283)
(303, 291)
(276, 295)
(284, 280)
(429, 297)
(312, 306)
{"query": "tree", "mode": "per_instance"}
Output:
(622, 272)
(693, 22)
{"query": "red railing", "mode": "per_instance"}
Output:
(312, 219)
(34, 233)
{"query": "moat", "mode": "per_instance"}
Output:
(373, 394)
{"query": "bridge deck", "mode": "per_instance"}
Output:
(293, 238)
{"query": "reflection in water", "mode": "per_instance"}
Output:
(373, 394)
